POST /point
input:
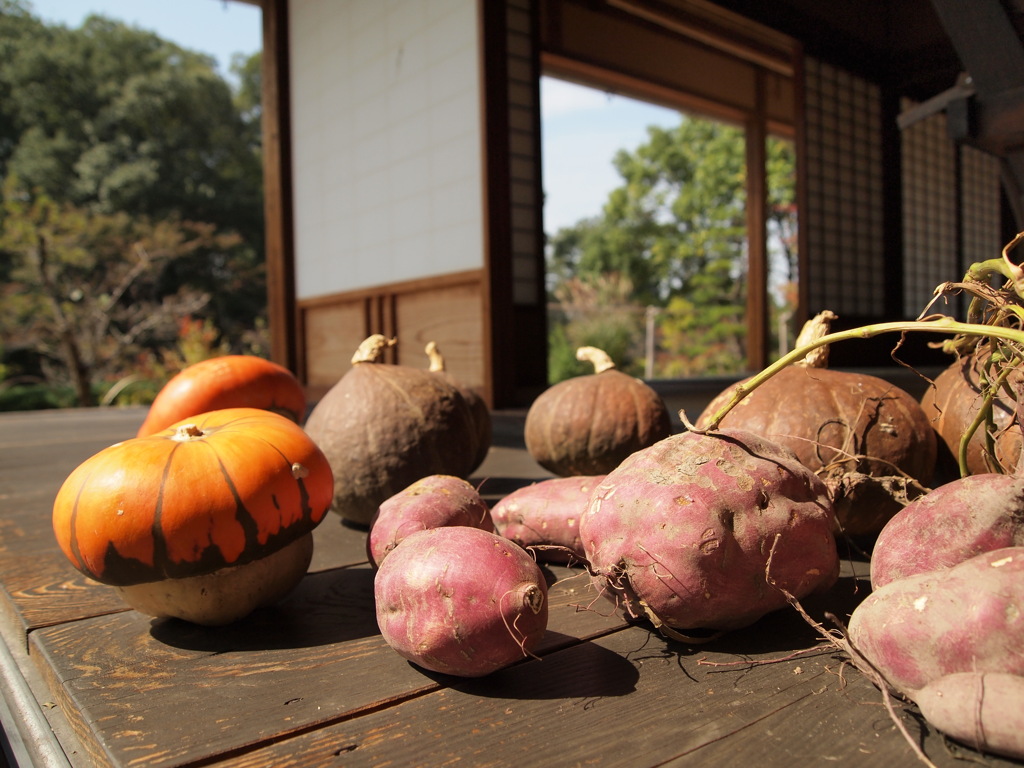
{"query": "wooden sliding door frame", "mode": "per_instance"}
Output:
(757, 128)
(282, 313)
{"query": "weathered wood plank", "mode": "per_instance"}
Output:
(311, 682)
(628, 699)
(38, 450)
(125, 680)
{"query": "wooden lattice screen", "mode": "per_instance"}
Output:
(981, 212)
(929, 210)
(523, 152)
(843, 176)
(949, 200)
(951, 211)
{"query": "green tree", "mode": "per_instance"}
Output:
(248, 98)
(113, 116)
(109, 120)
(84, 292)
(597, 312)
(675, 230)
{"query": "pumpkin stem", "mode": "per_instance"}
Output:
(436, 358)
(813, 329)
(597, 357)
(372, 348)
(187, 432)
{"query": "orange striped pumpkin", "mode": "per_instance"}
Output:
(222, 489)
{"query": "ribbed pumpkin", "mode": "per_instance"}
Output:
(588, 424)
(204, 521)
(868, 439)
(477, 405)
(231, 381)
(952, 403)
(384, 426)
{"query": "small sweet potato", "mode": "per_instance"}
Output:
(982, 709)
(461, 601)
(431, 502)
(950, 524)
(965, 618)
(545, 516)
(682, 532)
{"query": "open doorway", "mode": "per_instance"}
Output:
(647, 249)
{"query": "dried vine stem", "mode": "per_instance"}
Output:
(942, 324)
(839, 639)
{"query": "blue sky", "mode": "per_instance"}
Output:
(582, 128)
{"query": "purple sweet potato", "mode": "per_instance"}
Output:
(546, 516)
(950, 524)
(461, 601)
(431, 502)
(965, 618)
(682, 532)
(982, 709)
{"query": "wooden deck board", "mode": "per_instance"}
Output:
(624, 700)
(314, 658)
(310, 682)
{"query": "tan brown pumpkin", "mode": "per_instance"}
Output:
(868, 439)
(384, 426)
(203, 521)
(952, 403)
(588, 424)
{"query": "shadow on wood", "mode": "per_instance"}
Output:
(326, 608)
(595, 672)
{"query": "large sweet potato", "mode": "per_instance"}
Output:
(682, 532)
(545, 516)
(982, 709)
(431, 502)
(461, 601)
(950, 524)
(966, 618)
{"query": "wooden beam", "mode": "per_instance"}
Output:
(757, 236)
(717, 28)
(986, 42)
(500, 337)
(277, 188)
(992, 52)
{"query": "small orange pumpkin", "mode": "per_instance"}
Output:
(231, 381)
(227, 490)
